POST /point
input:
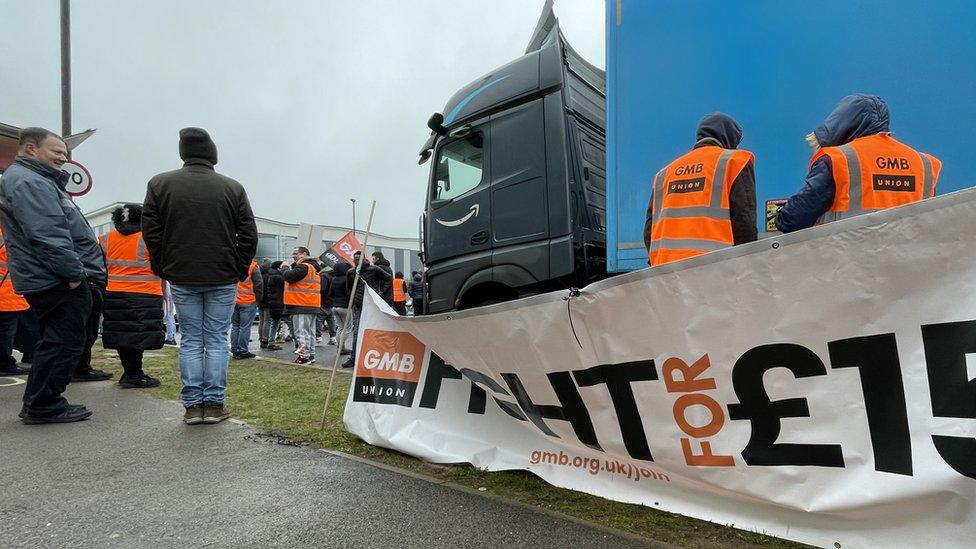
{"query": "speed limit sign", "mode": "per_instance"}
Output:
(79, 178)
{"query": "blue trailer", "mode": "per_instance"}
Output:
(778, 68)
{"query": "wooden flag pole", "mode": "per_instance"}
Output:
(345, 324)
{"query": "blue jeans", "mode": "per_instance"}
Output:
(240, 328)
(204, 313)
(272, 334)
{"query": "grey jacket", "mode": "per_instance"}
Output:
(49, 241)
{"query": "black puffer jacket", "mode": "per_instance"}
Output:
(265, 269)
(274, 292)
(340, 294)
(386, 286)
(131, 320)
(325, 280)
(373, 276)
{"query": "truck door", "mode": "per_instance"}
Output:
(520, 209)
(458, 214)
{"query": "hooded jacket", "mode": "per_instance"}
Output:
(325, 283)
(198, 224)
(857, 115)
(132, 320)
(386, 286)
(49, 241)
(265, 270)
(416, 287)
(339, 291)
(719, 129)
(274, 292)
(371, 275)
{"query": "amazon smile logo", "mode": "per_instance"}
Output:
(473, 213)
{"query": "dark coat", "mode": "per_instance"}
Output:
(131, 320)
(198, 226)
(274, 292)
(416, 288)
(373, 276)
(855, 116)
(386, 286)
(257, 281)
(263, 302)
(720, 129)
(325, 279)
(49, 241)
(339, 291)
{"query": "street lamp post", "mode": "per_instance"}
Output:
(353, 200)
(66, 69)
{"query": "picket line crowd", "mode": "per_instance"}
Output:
(186, 255)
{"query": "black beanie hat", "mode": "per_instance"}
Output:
(196, 143)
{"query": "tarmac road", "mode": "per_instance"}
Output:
(135, 476)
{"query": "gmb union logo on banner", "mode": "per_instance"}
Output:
(388, 368)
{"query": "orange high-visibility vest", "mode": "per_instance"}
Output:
(399, 295)
(690, 201)
(307, 292)
(877, 172)
(128, 264)
(245, 289)
(10, 301)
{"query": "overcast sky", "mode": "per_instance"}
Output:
(310, 102)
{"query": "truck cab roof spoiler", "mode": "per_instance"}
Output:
(520, 78)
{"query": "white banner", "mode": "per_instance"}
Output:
(816, 386)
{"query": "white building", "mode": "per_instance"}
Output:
(276, 240)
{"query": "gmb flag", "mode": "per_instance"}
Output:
(342, 250)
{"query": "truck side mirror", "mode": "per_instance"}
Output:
(436, 124)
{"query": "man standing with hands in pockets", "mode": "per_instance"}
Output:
(54, 258)
(201, 236)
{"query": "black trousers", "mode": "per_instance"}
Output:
(28, 333)
(91, 325)
(400, 307)
(8, 331)
(131, 362)
(62, 315)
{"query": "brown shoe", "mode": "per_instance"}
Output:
(194, 414)
(215, 412)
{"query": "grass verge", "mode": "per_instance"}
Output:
(288, 400)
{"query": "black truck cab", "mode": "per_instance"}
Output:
(516, 200)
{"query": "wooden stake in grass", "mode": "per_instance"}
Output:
(345, 324)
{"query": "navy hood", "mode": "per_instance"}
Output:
(721, 128)
(855, 116)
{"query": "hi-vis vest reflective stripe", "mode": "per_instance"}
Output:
(10, 301)
(876, 173)
(690, 197)
(398, 294)
(245, 290)
(307, 292)
(128, 264)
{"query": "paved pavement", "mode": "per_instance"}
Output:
(135, 476)
(324, 353)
